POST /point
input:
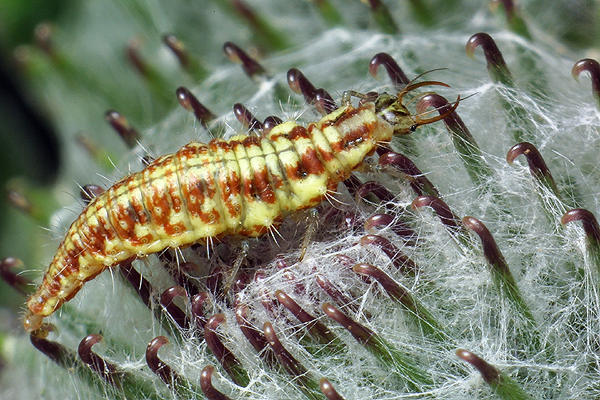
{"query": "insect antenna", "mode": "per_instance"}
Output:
(422, 74)
(420, 121)
(410, 88)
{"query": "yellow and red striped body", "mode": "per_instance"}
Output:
(241, 186)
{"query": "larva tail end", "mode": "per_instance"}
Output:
(32, 322)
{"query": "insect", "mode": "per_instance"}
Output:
(241, 186)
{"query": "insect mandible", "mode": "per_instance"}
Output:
(240, 186)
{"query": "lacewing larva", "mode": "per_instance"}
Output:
(240, 186)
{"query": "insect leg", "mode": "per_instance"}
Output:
(311, 229)
(241, 257)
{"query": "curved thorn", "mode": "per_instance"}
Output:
(405, 265)
(590, 224)
(593, 68)
(360, 333)
(229, 362)
(135, 58)
(137, 281)
(250, 66)
(495, 62)
(270, 122)
(397, 76)
(488, 372)
(286, 359)
(178, 48)
(53, 350)
(301, 85)
(18, 200)
(254, 336)
(340, 298)
(164, 372)
(180, 276)
(90, 192)
(536, 162)
(207, 387)
(189, 102)
(382, 16)
(213, 341)
(385, 352)
(418, 181)
(198, 310)
(396, 225)
(324, 102)
(328, 390)
(245, 117)
(166, 300)
(509, 6)
(16, 281)
(377, 189)
(394, 290)
(262, 31)
(315, 327)
(377, 221)
(352, 183)
(515, 21)
(420, 121)
(490, 249)
(451, 118)
(106, 370)
(43, 33)
(447, 217)
(120, 124)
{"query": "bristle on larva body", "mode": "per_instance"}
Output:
(241, 186)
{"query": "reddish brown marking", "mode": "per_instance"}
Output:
(354, 137)
(359, 134)
(277, 181)
(95, 235)
(251, 141)
(298, 132)
(193, 187)
(158, 199)
(349, 113)
(72, 264)
(346, 115)
(73, 292)
(209, 182)
(234, 209)
(138, 207)
(191, 150)
(326, 155)
(234, 183)
(249, 191)
(173, 189)
(212, 217)
(226, 184)
(295, 172)
(260, 230)
(110, 233)
(114, 213)
(94, 242)
(311, 162)
(176, 229)
(120, 214)
(263, 187)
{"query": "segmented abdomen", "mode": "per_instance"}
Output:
(240, 186)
